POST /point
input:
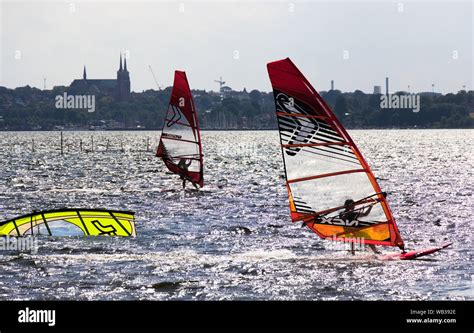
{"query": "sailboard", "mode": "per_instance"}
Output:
(70, 221)
(180, 142)
(324, 168)
(331, 188)
(409, 255)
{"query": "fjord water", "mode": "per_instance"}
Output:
(234, 238)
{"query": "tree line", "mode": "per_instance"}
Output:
(27, 108)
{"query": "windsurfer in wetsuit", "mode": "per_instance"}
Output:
(350, 214)
(183, 165)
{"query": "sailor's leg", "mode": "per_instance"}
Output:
(402, 248)
(184, 183)
(374, 249)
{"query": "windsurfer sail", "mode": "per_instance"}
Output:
(68, 221)
(180, 142)
(330, 186)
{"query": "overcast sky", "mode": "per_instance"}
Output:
(416, 43)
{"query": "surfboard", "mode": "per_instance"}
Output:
(410, 255)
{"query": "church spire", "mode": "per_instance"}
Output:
(120, 69)
(84, 75)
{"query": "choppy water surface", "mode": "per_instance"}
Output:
(192, 245)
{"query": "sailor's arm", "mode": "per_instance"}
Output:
(367, 212)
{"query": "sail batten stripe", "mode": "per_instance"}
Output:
(332, 157)
(315, 144)
(119, 223)
(46, 224)
(331, 174)
(83, 223)
(301, 115)
(338, 152)
(169, 138)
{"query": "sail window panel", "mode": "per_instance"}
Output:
(376, 214)
(330, 192)
(60, 228)
(313, 161)
(178, 133)
(181, 149)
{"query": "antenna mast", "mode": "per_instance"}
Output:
(221, 83)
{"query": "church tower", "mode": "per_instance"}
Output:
(123, 82)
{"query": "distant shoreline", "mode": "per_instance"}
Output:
(29, 109)
(228, 130)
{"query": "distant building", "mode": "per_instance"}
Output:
(429, 94)
(377, 90)
(226, 89)
(119, 88)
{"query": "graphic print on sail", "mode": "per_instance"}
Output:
(72, 221)
(180, 142)
(330, 186)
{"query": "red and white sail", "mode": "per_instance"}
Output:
(324, 168)
(180, 137)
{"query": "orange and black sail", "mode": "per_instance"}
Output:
(330, 186)
(180, 142)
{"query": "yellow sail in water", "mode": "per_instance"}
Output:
(89, 222)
